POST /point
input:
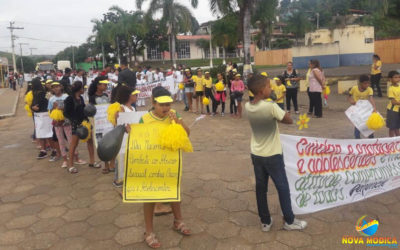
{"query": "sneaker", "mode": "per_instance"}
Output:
(222, 114)
(117, 184)
(296, 225)
(54, 158)
(64, 165)
(297, 112)
(42, 155)
(266, 227)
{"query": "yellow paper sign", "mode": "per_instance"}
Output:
(152, 173)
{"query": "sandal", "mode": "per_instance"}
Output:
(105, 171)
(80, 162)
(181, 228)
(72, 170)
(152, 241)
(95, 165)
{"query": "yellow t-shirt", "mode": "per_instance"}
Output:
(264, 117)
(207, 83)
(394, 93)
(358, 95)
(198, 81)
(376, 71)
(279, 92)
(151, 118)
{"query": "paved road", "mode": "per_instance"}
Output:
(42, 206)
(7, 100)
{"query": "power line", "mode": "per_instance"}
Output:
(56, 25)
(44, 40)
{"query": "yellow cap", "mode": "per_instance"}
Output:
(54, 83)
(187, 70)
(164, 99)
(135, 92)
(49, 81)
(207, 72)
(104, 81)
(238, 75)
(264, 74)
(276, 79)
(234, 70)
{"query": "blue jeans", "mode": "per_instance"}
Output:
(273, 166)
(357, 134)
(185, 99)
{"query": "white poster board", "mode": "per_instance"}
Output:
(101, 124)
(43, 125)
(126, 118)
(358, 115)
(326, 173)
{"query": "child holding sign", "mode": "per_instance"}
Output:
(362, 92)
(393, 108)
(266, 153)
(162, 114)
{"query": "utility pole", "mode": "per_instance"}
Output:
(73, 57)
(211, 52)
(31, 50)
(12, 28)
(20, 51)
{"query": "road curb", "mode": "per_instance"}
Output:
(14, 107)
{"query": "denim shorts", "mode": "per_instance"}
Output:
(189, 89)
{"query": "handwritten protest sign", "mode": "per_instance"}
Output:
(153, 174)
(43, 125)
(101, 123)
(358, 114)
(325, 173)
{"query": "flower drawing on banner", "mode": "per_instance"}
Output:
(303, 121)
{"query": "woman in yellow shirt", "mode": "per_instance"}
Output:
(376, 73)
(199, 90)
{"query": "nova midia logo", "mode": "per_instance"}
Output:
(367, 227)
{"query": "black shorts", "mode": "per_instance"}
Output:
(393, 119)
(238, 96)
(54, 138)
(199, 93)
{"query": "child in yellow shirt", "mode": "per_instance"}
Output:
(199, 90)
(280, 92)
(362, 91)
(393, 108)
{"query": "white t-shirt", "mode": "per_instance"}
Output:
(78, 78)
(178, 77)
(149, 76)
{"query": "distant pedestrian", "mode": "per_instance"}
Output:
(292, 85)
(126, 75)
(66, 81)
(393, 107)
(376, 73)
(316, 80)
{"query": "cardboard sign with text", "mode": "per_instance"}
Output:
(152, 173)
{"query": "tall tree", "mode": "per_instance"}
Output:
(264, 18)
(245, 8)
(176, 16)
(298, 24)
(224, 33)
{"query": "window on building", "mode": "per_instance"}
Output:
(207, 53)
(154, 53)
(183, 49)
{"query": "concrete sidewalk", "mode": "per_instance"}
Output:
(8, 101)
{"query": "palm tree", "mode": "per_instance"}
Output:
(225, 33)
(175, 16)
(298, 24)
(264, 17)
(245, 9)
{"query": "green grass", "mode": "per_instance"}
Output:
(268, 66)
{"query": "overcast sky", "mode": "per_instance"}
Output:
(65, 21)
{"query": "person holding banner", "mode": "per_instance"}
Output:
(362, 91)
(266, 153)
(127, 98)
(162, 114)
(393, 108)
(73, 110)
(39, 105)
